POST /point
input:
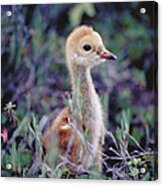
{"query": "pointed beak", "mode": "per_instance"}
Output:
(105, 54)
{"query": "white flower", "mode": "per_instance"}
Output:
(9, 106)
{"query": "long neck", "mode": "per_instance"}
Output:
(82, 84)
(91, 109)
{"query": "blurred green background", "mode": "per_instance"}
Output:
(35, 79)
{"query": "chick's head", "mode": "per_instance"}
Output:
(85, 48)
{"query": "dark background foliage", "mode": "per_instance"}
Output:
(35, 79)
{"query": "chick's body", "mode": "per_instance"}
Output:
(84, 50)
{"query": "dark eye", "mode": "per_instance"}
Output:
(87, 47)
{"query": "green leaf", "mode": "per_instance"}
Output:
(134, 171)
(125, 120)
(14, 156)
(76, 13)
(3, 119)
(146, 177)
(137, 134)
(119, 134)
(59, 173)
(5, 160)
(24, 158)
